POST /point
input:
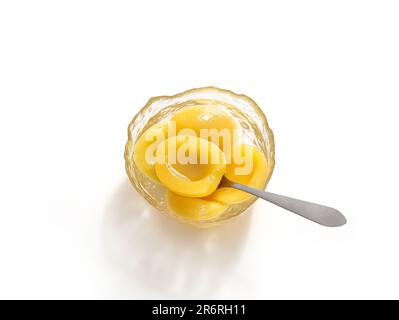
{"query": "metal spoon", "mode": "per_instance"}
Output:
(323, 215)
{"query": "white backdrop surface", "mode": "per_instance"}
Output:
(72, 76)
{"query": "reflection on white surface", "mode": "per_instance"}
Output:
(166, 255)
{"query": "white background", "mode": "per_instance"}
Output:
(74, 73)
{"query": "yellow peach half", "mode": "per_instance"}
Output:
(247, 166)
(189, 166)
(202, 119)
(194, 209)
(145, 147)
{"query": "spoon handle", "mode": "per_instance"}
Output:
(323, 215)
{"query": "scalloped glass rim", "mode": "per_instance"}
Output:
(147, 116)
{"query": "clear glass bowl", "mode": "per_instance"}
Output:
(254, 130)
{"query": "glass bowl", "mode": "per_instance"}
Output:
(254, 131)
